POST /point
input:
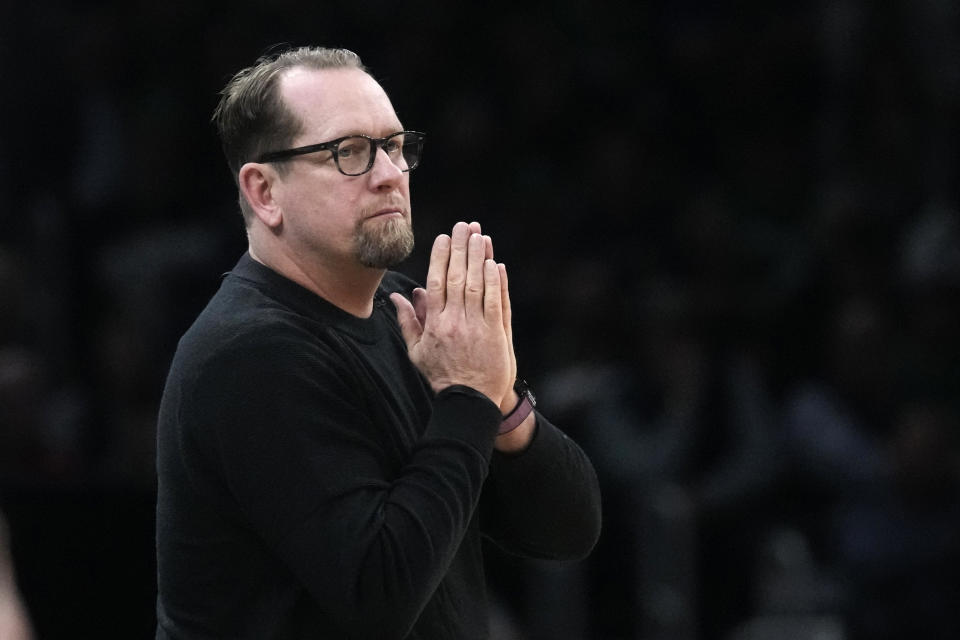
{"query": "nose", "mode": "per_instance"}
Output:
(385, 174)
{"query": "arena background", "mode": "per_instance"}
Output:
(734, 248)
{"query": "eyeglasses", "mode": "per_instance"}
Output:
(355, 155)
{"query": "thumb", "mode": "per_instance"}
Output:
(410, 326)
(420, 305)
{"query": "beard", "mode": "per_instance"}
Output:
(383, 244)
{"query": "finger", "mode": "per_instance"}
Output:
(507, 310)
(436, 293)
(410, 326)
(473, 295)
(507, 318)
(488, 243)
(488, 247)
(492, 296)
(420, 305)
(457, 267)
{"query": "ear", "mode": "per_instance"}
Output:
(257, 182)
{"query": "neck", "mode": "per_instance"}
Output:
(349, 287)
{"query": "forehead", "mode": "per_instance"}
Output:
(335, 102)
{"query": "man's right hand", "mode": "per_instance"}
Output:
(458, 336)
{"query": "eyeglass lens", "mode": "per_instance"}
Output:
(353, 154)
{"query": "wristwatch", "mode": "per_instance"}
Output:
(519, 413)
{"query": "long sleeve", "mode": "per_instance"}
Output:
(545, 502)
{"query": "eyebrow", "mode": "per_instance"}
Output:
(360, 132)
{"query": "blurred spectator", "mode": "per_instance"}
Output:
(683, 435)
(896, 537)
(835, 420)
(40, 421)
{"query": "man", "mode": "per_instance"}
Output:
(328, 460)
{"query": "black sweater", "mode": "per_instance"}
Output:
(312, 485)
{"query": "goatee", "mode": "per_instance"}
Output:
(383, 244)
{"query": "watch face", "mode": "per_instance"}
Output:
(523, 390)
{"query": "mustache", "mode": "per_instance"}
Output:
(391, 204)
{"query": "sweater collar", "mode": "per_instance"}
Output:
(306, 302)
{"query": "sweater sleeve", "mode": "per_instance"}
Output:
(369, 534)
(545, 502)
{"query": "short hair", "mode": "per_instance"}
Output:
(251, 117)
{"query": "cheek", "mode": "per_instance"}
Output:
(314, 206)
(330, 216)
(326, 210)
(405, 188)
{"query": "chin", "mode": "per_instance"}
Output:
(385, 244)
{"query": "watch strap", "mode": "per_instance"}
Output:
(520, 412)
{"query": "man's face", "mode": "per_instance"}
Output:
(338, 219)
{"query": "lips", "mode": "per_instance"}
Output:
(388, 211)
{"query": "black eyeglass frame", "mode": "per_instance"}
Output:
(331, 146)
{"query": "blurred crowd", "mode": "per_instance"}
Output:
(733, 238)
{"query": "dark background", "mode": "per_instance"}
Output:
(734, 249)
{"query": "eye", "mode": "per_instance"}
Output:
(352, 146)
(392, 146)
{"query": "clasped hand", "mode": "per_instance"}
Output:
(458, 329)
